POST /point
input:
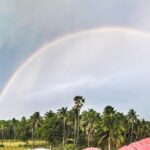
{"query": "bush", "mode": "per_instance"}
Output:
(71, 147)
(23, 145)
(69, 141)
(1, 145)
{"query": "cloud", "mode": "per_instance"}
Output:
(26, 26)
(105, 67)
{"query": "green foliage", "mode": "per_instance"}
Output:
(112, 127)
(52, 129)
(1, 145)
(71, 147)
(24, 130)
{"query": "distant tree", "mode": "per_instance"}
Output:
(108, 110)
(112, 127)
(24, 129)
(89, 123)
(51, 128)
(49, 114)
(14, 122)
(35, 122)
(2, 133)
(70, 125)
(63, 114)
(79, 101)
(132, 118)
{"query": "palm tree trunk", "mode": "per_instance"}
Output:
(125, 137)
(109, 146)
(75, 130)
(68, 132)
(88, 140)
(64, 134)
(131, 133)
(2, 136)
(78, 123)
(91, 139)
(32, 137)
(14, 133)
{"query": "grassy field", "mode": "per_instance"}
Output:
(18, 145)
(12, 148)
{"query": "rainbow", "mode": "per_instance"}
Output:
(63, 39)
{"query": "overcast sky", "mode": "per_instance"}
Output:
(113, 69)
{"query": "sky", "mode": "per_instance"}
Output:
(52, 50)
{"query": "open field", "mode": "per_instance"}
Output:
(18, 145)
(12, 148)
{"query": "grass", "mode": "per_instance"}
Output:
(18, 145)
(12, 148)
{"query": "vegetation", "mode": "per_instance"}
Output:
(74, 129)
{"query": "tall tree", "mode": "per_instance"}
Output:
(89, 123)
(70, 125)
(14, 122)
(79, 101)
(35, 122)
(112, 128)
(24, 130)
(132, 118)
(2, 133)
(49, 114)
(52, 128)
(63, 114)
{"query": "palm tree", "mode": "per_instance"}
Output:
(112, 127)
(70, 124)
(24, 130)
(2, 132)
(14, 121)
(35, 122)
(49, 114)
(63, 114)
(89, 123)
(132, 118)
(79, 101)
(142, 129)
(109, 110)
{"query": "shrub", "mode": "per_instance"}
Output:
(71, 147)
(1, 145)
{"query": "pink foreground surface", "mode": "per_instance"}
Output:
(139, 145)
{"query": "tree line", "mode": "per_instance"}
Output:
(71, 127)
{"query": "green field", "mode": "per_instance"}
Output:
(12, 148)
(18, 145)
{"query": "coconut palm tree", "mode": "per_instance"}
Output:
(132, 118)
(142, 129)
(35, 122)
(14, 122)
(24, 130)
(112, 127)
(89, 124)
(79, 101)
(108, 110)
(49, 114)
(2, 133)
(70, 125)
(63, 114)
